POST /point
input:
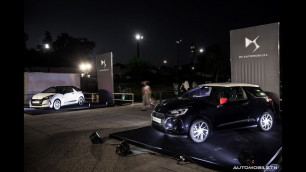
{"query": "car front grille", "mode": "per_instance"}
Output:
(36, 102)
(161, 116)
(158, 115)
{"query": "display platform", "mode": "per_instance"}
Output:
(33, 111)
(219, 151)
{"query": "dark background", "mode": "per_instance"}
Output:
(112, 25)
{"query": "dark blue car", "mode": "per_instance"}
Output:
(213, 106)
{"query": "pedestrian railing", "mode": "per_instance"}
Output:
(91, 97)
(124, 97)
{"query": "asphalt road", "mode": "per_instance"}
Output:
(59, 141)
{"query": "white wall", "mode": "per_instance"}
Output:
(35, 82)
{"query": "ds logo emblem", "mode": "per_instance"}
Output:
(103, 63)
(248, 42)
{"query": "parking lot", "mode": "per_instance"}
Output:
(60, 141)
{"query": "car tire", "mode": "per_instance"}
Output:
(81, 101)
(57, 104)
(199, 130)
(266, 121)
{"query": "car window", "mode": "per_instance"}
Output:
(60, 90)
(76, 89)
(50, 90)
(232, 94)
(69, 89)
(198, 92)
(255, 91)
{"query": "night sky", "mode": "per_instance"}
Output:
(112, 25)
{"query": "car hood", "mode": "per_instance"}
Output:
(172, 104)
(42, 95)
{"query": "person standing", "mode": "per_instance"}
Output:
(194, 84)
(184, 87)
(146, 95)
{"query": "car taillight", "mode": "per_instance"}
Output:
(270, 100)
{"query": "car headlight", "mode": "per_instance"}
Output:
(48, 97)
(179, 112)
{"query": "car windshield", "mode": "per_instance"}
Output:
(53, 90)
(197, 92)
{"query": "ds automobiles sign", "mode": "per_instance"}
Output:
(104, 63)
(255, 59)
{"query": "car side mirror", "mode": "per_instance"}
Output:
(223, 100)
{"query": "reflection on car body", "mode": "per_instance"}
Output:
(56, 97)
(210, 107)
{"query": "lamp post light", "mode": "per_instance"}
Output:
(201, 51)
(138, 37)
(85, 68)
(47, 47)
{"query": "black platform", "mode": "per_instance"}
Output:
(33, 111)
(220, 150)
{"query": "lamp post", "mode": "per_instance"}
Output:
(85, 68)
(201, 51)
(47, 47)
(138, 37)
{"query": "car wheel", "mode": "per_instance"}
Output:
(199, 131)
(57, 104)
(266, 121)
(81, 101)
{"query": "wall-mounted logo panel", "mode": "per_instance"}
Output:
(255, 57)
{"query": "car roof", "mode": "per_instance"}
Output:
(229, 84)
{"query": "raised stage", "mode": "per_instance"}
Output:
(219, 151)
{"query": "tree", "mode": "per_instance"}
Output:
(48, 38)
(32, 57)
(214, 62)
(139, 68)
(65, 51)
(70, 51)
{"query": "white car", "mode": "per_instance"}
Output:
(56, 97)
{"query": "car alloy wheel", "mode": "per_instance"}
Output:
(266, 121)
(81, 101)
(199, 131)
(57, 104)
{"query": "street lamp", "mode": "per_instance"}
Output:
(85, 68)
(47, 47)
(138, 37)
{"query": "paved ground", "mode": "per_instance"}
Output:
(60, 142)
